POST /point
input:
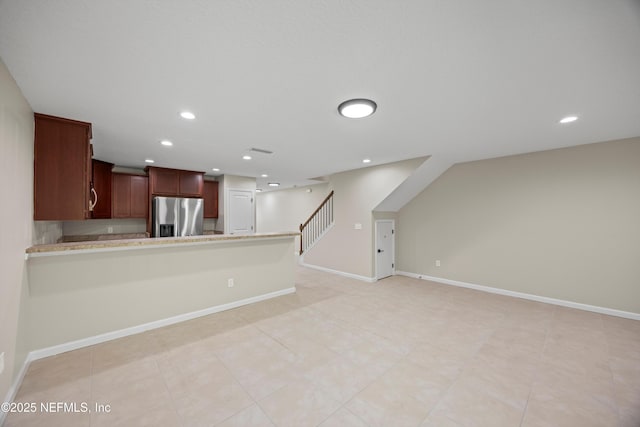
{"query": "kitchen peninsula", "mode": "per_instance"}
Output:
(82, 293)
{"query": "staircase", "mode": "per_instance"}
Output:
(318, 223)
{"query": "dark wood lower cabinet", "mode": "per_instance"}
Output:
(129, 196)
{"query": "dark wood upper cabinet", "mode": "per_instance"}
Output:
(130, 196)
(210, 195)
(174, 182)
(121, 195)
(62, 169)
(102, 187)
(163, 181)
(139, 196)
(191, 183)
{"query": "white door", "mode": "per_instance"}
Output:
(385, 248)
(240, 212)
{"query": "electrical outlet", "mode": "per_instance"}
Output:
(109, 229)
(357, 226)
(1, 362)
(437, 263)
(230, 283)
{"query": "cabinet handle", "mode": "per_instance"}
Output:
(95, 202)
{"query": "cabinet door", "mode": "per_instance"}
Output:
(164, 182)
(191, 183)
(130, 196)
(62, 169)
(102, 187)
(139, 196)
(121, 196)
(210, 195)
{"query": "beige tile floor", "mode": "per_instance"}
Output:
(400, 352)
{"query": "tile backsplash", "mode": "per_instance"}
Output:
(46, 232)
(104, 226)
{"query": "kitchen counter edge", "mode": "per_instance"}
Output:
(72, 248)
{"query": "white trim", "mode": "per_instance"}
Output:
(393, 246)
(13, 390)
(538, 298)
(339, 273)
(97, 339)
(320, 236)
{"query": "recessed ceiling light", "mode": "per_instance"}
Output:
(366, 160)
(357, 108)
(187, 115)
(166, 143)
(274, 184)
(246, 157)
(569, 119)
(264, 175)
(149, 161)
(215, 170)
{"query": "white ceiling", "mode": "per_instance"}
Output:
(455, 79)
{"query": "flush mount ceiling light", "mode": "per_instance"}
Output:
(215, 170)
(264, 175)
(187, 115)
(569, 119)
(246, 157)
(258, 190)
(366, 160)
(274, 184)
(149, 161)
(357, 108)
(166, 143)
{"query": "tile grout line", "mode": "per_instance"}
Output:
(535, 376)
(457, 378)
(255, 402)
(613, 381)
(164, 381)
(91, 381)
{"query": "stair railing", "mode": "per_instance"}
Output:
(319, 221)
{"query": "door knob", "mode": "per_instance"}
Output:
(380, 250)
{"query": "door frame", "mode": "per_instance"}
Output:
(227, 205)
(393, 246)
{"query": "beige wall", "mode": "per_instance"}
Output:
(357, 193)
(285, 210)
(16, 174)
(79, 296)
(562, 224)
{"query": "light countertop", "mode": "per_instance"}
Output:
(143, 243)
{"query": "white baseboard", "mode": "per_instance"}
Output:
(97, 339)
(339, 273)
(532, 297)
(13, 390)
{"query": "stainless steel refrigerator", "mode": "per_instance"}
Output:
(177, 216)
